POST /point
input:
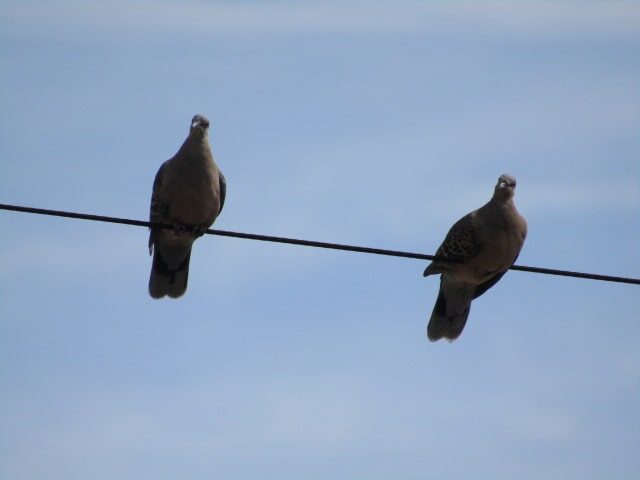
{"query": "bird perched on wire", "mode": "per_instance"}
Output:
(476, 253)
(188, 193)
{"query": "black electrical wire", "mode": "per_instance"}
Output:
(308, 243)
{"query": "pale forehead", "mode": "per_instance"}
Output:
(200, 118)
(506, 178)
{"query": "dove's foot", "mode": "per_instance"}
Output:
(199, 230)
(180, 227)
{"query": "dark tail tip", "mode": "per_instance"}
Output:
(438, 323)
(159, 278)
(165, 281)
(443, 326)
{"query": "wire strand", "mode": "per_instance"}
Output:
(308, 243)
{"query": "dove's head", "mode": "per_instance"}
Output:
(505, 188)
(199, 125)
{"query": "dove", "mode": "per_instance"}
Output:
(189, 191)
(476, 253)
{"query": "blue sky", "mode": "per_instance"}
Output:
(373, 123)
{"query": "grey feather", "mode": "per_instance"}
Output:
(187, 193)
(158, 208)
(223, 191)
(476, 253)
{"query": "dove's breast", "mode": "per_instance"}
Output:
(196, 194)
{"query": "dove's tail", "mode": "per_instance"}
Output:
(165, 280)
(450, 313)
